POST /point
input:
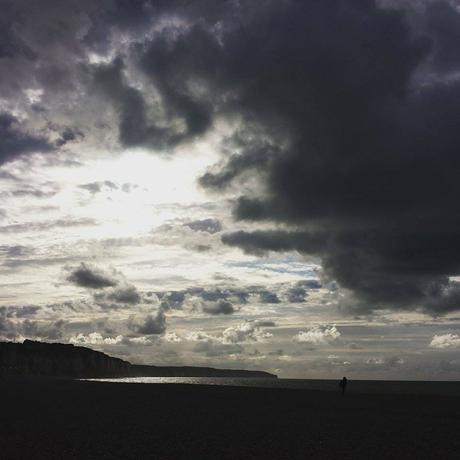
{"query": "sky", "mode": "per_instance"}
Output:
(266, 185)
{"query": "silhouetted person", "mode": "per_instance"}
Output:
(343, 385)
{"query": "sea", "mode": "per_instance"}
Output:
(354, 386)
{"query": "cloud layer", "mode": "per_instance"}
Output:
(345, 112)
(251, 169)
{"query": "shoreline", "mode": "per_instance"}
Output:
(401, 387)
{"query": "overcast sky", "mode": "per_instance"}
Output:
(266, 184)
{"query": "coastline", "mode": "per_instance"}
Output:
(414, 387)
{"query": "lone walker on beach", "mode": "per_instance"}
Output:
(343, 385)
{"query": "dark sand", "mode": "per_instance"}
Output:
(90, 420)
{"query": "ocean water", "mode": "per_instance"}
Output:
(354, 386)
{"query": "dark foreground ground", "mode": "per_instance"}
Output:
(90, 420)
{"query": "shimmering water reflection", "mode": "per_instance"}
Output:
(354, 386)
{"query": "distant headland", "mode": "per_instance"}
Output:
(40, 359)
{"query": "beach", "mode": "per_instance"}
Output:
(64, 419)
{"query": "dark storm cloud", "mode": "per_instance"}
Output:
(346, 116)
(263, 323)
(205, 225)
(88, 276)
(97, 187)
(299, 292)
(215, 299)
(136, 128)
(221, 307)
(253, 154)
(178, 101)
(309, 284)
(209, 295)
(370, 163)
(44, 48)
(172, 299)
(268, 297)
(69, 135)
(15, 141)
(259, 242)
(122, 294)
(296, 294)
(150, 325)
(11, 44)
(444, 23)
(382, 268)
(443, 298)
(237, 295)
(125, 294)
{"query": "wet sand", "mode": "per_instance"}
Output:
(91, 420)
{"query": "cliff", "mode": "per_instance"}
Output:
(64, 360)
(56, 359)
(189, 371)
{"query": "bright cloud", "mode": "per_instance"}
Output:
(95, 338)
(317, 335)
(245, 332)
(445, 341)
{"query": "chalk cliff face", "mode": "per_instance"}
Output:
(56, 359)
(63, 360)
